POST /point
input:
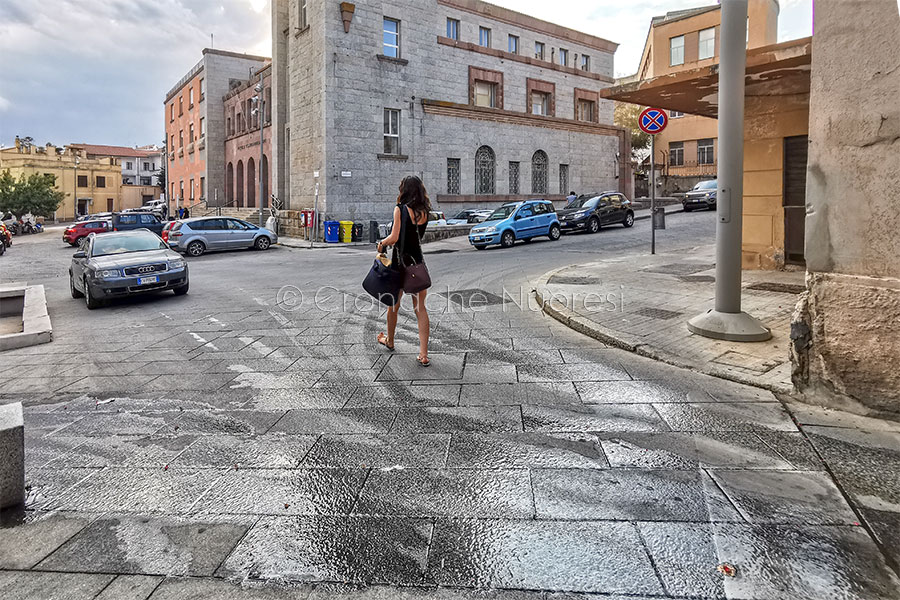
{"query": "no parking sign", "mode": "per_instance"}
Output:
(653, 120)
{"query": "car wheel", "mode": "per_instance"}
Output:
(196, 248)
(594, 225)
(479, 246)
(507, 239)
(181, 290)
(262, 243)
(712, 207)
(72, 289)
(629, 220)
(2, 248)
(554, 232)
(687, 208)
(89, 300)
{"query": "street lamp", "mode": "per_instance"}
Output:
(258, 111)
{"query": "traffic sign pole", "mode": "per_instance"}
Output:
(652, 194)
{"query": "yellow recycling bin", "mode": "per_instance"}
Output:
(346, 231)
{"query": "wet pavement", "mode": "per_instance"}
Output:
(231, 445)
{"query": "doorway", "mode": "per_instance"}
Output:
(81, 206)
(794, 201)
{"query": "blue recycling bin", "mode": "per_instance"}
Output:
(332, 232)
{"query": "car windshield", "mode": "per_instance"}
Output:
(706, 185)
(123, 244)
(585, 202)
(462, 215)
(502, 213)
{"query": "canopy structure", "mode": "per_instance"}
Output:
(776, 70)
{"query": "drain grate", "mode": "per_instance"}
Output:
(697, 278)
(657, 313)
(681, 268)
(472, 297)
(783, 288)
(573, 280)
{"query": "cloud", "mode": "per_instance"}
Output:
(4, 104)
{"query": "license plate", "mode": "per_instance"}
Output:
(564, 223)
(146, 280)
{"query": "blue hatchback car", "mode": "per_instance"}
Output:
(516, 221)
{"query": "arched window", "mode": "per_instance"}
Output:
(484, 170)
(251, 183)
(539, 172)
(239, 192)
(229, 184)
(264, 201)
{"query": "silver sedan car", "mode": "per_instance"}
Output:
(198, 235)
(124, 263)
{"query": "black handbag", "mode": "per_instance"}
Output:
(415, 276)
(384, 282)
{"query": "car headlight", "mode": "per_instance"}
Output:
(491, 230)
(108, 274)
(580, 213)
(176, 264)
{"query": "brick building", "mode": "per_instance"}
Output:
(243, 164)
(195, 126)
(485, 104)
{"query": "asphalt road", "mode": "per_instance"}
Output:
(253, 433)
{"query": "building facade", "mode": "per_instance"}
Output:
(485, 104)
(140, 171)
(90, 184)
(679, 41)
(244, 163)
(194, 119)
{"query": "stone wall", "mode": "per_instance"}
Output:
(847, 328)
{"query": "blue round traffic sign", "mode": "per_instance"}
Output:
(653, 120)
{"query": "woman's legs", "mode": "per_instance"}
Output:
(423, 322)
(392, 314)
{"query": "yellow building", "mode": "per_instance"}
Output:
(89, 184)
(683, 40)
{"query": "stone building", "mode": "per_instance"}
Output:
(140, 169)
(194, 118)
(243, 161)
(486, 104)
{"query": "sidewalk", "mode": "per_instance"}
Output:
(642, 304)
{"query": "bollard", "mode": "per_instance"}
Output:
(12, 449)
(373, 232)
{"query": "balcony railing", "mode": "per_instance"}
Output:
(689, 168)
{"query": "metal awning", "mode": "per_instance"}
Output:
(776, 70)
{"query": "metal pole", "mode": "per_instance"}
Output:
(727, 321)
(652, 194)
(259, 169)
(315, 227)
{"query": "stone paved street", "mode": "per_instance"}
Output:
(239, 443)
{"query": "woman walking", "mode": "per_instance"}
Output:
(410, 221)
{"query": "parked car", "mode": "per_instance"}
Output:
(166, 229)
(74, 234)
(589, 212)
(200, 234)
(469, 215)
(436, 217)
(516, 221)
(123, 221)
(125, 263)
(702, 196)
(94, 216)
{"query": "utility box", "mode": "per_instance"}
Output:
(659, 217)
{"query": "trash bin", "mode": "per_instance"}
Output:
(332, 232)
(346, 231)
(373, 231)
(357, 232)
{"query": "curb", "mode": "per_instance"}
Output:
(633, 344)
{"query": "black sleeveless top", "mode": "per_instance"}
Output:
(410, 237)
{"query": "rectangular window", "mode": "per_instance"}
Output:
(675, 114)
(181, 189)
(180, 105)
(707, 47)
(191, 134)
(453, 175)
(391, 38)
(484, 37)
(172, 146)
(485, 94)
(705, 151)
(202, 125)
(513, 178)
(540, 103)
(82, 181)
(586, 110)
(453, 29)
(676, 154)
(539, 50)
(191, 98)
(301, 14)
(202, 187)
(564, 57)
(181, 138)
(146, 166)
(128, 166)
(676, 51)
(202, 89)
(192, 190)
(585, 62)
(391, 131)
(145, 181)
(513, 45)
(101, 181)
(172, 112)
(563, 179)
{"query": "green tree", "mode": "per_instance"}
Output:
(626, 115)
(35, 194)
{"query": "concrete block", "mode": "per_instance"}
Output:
(36, 326)
(12, 449)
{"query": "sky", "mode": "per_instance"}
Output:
(97, 71)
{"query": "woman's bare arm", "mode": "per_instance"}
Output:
(395, 232)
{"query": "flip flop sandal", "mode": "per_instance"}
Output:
(423, 361)
(382, 339)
